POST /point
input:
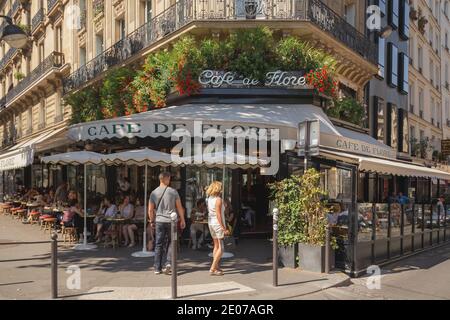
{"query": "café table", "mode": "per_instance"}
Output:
(117, 223)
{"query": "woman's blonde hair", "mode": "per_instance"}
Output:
(214, 189)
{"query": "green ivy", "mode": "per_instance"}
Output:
(348, 109)
(85, 105)
(250, 53)
(115, 93)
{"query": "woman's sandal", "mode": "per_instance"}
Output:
(216, 272)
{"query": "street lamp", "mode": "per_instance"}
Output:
(13, 34)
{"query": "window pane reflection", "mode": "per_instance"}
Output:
(408, 219)
(381, 220)
(396, 216)
(365, 218)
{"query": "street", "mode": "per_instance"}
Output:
(423, 276)
(114, 274)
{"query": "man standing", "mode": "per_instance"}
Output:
(164, 200)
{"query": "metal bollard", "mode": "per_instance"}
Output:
(275, 247)
(327, 249)
(54, 265)
(174, 217)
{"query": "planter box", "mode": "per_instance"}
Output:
(312, 258)
(287, 256)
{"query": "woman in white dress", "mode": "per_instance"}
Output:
(216, 223)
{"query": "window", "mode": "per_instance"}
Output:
(431, 71)
(447, 110)
(82, 56)
(433, 111)
(411, 50)
(148, 10)
(120, 29)
(393, 13)
(421, 102)
(380, 106)
(381, 57)
(392, 65)
(41, 53)
(382, 5)
(98, 44)
(58, 39)
(412, 97)
(30, 120)
(350, 13)
(393, 132)
(403, 130)
(412, 133)
(404, 19)
(420, 57)
(403, 73)
(42, 114)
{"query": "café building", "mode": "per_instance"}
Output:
(289, 122)
(359, 173)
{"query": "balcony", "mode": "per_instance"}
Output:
(98, 7)
(311, 19)
(54, 8)
(7, 57)
(38, 20)
(53, 62)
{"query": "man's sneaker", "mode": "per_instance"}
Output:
(167, 270)
(157, 272)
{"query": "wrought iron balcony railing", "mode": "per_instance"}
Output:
(37, 19)
(3, 103)
(51, 4)
(7, 57)
(185, 11)
(54, 60)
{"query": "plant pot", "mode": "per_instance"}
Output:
(312, 258)
(287, 255)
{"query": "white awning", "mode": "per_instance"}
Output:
(22, 154)
(396, 168)
(285, 117)
(16, 159)
(77, 157)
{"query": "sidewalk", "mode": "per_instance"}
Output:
(109, 274)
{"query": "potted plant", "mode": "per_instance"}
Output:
(348, 109)
(422, 23)
(19, 75)
(314, 216)
(287, 198)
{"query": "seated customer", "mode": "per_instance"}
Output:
(199, 213)
(107, 210)
(127, 211)
(72, 214)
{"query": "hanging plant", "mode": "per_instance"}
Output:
(252, 53)
(322, 81)
(294, 54)
(348, 109)
(188, 63)
(115, 93)
(85, 105)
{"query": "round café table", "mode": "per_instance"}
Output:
(117, 225)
